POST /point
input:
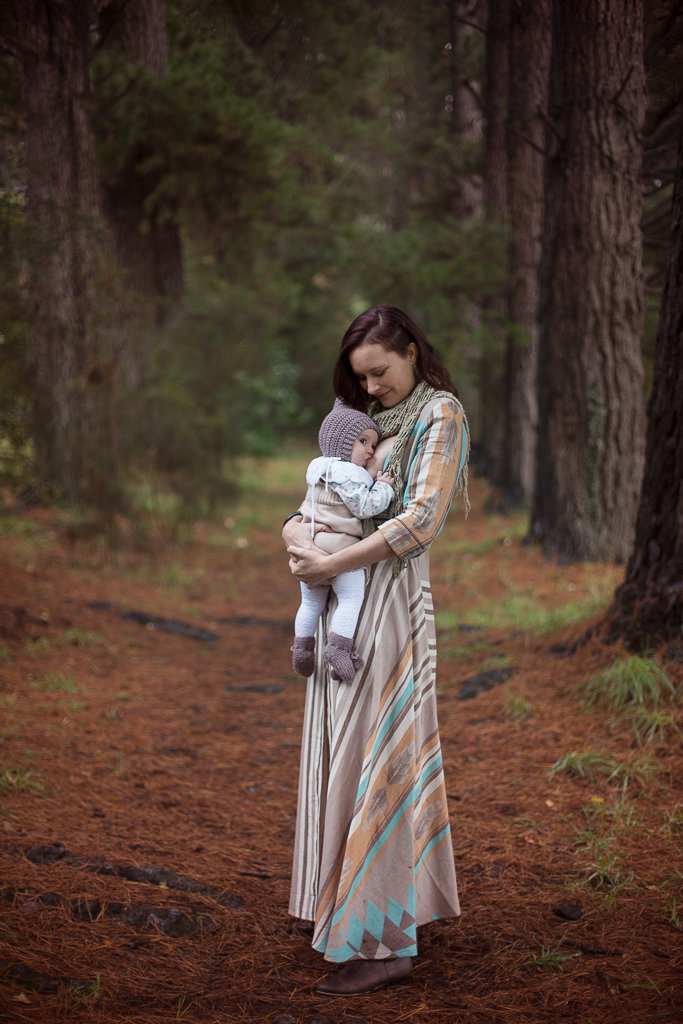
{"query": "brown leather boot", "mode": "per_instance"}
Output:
(357, 977)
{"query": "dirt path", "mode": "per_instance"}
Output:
(127, 748)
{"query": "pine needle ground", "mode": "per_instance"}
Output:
(184, 755)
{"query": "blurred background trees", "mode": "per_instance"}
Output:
(197, 196)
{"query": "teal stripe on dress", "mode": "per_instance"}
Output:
(382, 840)
(438, 838)
(390, 721)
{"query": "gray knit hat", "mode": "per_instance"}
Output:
(340, 428)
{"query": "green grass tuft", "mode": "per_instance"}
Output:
(79, 638)
(584, 765)
(550, 956)
(57, 682)
(590, 763)
(629, 681)
(651, 725)
(638, 772)
(516, 708)
(87, 995)
(14, 780)
(34, 648)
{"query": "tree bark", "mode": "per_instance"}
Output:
(590, 370)
(467, 117)
(496, 207)
(63, 206)
(530, 32)
(146, 238)
(497, 88)
(648, 608)
(139, 27)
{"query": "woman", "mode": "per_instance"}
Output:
(373, 857)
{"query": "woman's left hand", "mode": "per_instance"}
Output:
(309, 565)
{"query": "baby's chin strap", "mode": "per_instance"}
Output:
(327, 482)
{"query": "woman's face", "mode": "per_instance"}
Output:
(385, 375)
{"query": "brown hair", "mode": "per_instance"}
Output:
(393, 330)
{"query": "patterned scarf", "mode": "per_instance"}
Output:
(401, 420)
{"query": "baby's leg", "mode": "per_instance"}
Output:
(311, 608)
(312, 604)
(350, 590)
(339, 652)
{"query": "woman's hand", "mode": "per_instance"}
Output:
(309, 565)
(299, 533)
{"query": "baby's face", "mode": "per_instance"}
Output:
(363, 447)
(382, 452)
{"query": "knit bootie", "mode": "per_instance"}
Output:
(342, 658)
(303, 655)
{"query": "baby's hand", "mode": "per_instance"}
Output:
(384, 478)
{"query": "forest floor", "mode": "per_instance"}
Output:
(148, 782)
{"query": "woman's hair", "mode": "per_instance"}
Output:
(393, 330)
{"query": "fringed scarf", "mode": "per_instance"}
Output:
(401, 420)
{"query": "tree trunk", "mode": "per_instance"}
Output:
(63, 205)
(147, 240)
(497, 85)
(528, 100)
(648, 607)
(590, 370)
(467, 118)
(496, 205)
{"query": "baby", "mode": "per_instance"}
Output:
(341, 492)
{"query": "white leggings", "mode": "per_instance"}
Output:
(350, 590)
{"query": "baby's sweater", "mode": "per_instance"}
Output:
(340, 494)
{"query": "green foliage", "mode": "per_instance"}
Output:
(637, 772)
(57, 682)
(75, 637)
(589, 764)
(652, 725)
(16, 449)
(516, 708)
(639, 688)
(674, 913)
(649, 985)
(87, 995)
(499, 660)
(584, 765)
(550, 956)
(36, 648)
(619, 813)
(308, 161)
(14, 780)
(528, 612)
(631, 681)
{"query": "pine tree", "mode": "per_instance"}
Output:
(590, 368)
(648, 608)
(64, 208)
(528, 100)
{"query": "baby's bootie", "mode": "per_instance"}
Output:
(341, 656)
(303, 655)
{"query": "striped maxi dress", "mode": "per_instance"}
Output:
(373, 858)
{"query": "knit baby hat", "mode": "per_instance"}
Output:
(340, 428)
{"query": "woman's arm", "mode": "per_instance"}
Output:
(432, 478)
(315, 567)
